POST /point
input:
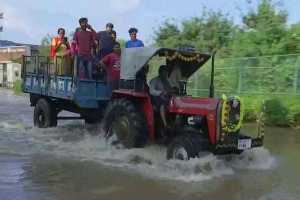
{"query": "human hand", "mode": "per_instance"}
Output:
(88, 26)
(165, 94)
(65, 40)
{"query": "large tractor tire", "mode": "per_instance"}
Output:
(91, 117)
(187, 145)
(124, 124)
(45, 114)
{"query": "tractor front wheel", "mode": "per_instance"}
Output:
(187, 145)
(124, 124)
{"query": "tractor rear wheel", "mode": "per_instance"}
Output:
(187, 145)
(124, 124)
(45, 114)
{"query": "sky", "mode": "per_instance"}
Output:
(28, 21)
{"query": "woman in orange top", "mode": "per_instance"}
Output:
(60, 52)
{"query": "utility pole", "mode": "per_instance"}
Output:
(1, 24)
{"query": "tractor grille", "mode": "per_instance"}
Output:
(234, 113)
(231, 118)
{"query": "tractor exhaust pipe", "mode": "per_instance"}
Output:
(212, 76)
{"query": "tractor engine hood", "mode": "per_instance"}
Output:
(193, 106)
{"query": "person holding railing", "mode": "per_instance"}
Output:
(60, 53)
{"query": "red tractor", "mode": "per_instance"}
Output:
(195, 124)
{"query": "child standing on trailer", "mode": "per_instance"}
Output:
(111, 63)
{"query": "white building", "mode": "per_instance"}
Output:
(9, 73)
(10, 69)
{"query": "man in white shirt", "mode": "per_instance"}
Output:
(160, 89)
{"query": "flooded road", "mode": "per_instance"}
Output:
(72, 161)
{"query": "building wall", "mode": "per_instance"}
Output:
(13, 53)
(13, 73)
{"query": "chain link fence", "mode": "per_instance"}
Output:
(266, 75)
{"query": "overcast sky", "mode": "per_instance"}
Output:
(29, 20)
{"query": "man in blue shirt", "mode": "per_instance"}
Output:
(133, 42)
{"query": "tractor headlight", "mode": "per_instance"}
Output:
(235, 103)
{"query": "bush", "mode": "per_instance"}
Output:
(294, 111)
(252, 107)
(294, 118)
(276, 113)
(279, 111)
(17, 87)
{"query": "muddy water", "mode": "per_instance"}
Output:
(73, 162)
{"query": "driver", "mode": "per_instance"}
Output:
(160, 90)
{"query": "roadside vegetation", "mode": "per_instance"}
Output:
(17, 87)
(258, 59)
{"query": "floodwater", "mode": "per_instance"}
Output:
(73, 161)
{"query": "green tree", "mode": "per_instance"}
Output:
(168, 35)
(263, 33)
(122, 43)
(207, 32)
(44, 49)
(291, 43)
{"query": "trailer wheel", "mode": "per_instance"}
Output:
(44, 114)
(187, 145)
(124, 124)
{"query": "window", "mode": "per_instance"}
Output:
(17, 74)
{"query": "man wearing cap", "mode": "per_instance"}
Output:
(105, 41)
(133, 42)
(111, 63)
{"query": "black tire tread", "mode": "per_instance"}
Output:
(139, 133)
(50, 113)
(193, 143)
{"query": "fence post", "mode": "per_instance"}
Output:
(296, 75)
(239, 89)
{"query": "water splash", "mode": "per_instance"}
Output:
(76, 141)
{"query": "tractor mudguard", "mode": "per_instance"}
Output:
(144, 101)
